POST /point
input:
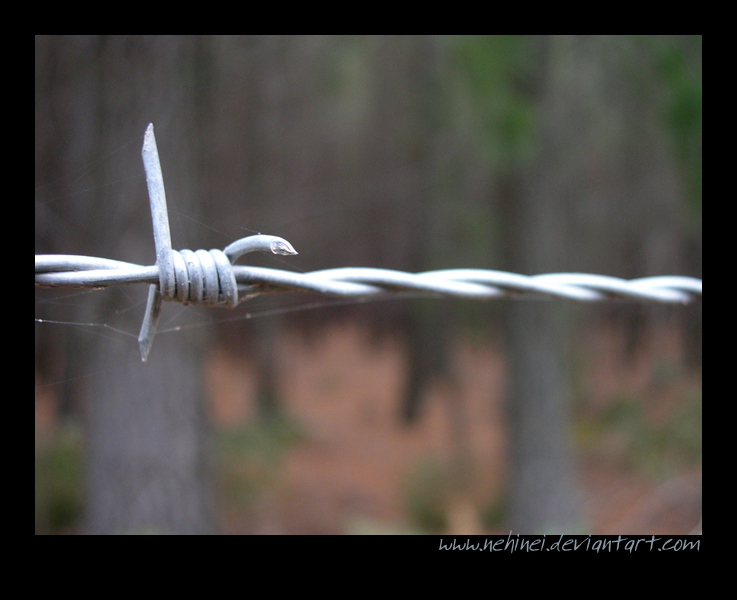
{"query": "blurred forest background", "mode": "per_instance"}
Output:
(526, 154)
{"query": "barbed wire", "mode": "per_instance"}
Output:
(210, 277)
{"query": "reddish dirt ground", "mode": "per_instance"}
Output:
(352, 467)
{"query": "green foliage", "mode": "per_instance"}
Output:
(679, 68)
(500, 74)
(250, 457)
(363, 526)
(624, 431)
(495, 513)
(265, 441)
(58, 474)
(425, 493)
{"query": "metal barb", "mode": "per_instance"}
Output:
(210, 277)
(200, 277)
(150, 321)
(162, 242)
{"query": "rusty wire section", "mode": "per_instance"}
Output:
(211, 278)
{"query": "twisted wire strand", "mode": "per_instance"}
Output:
(210, 277)
(200, 279)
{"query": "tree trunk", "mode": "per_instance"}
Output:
(148, 469)
(542, 493)
(148, 451)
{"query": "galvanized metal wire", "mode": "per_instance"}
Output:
(211, 278)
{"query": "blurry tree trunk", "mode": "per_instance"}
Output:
(271, 179)
(148, 469)
(429, 341)
(694, 322)
(429, 324)
(267, 399)
(542, 493)
(148, 456)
